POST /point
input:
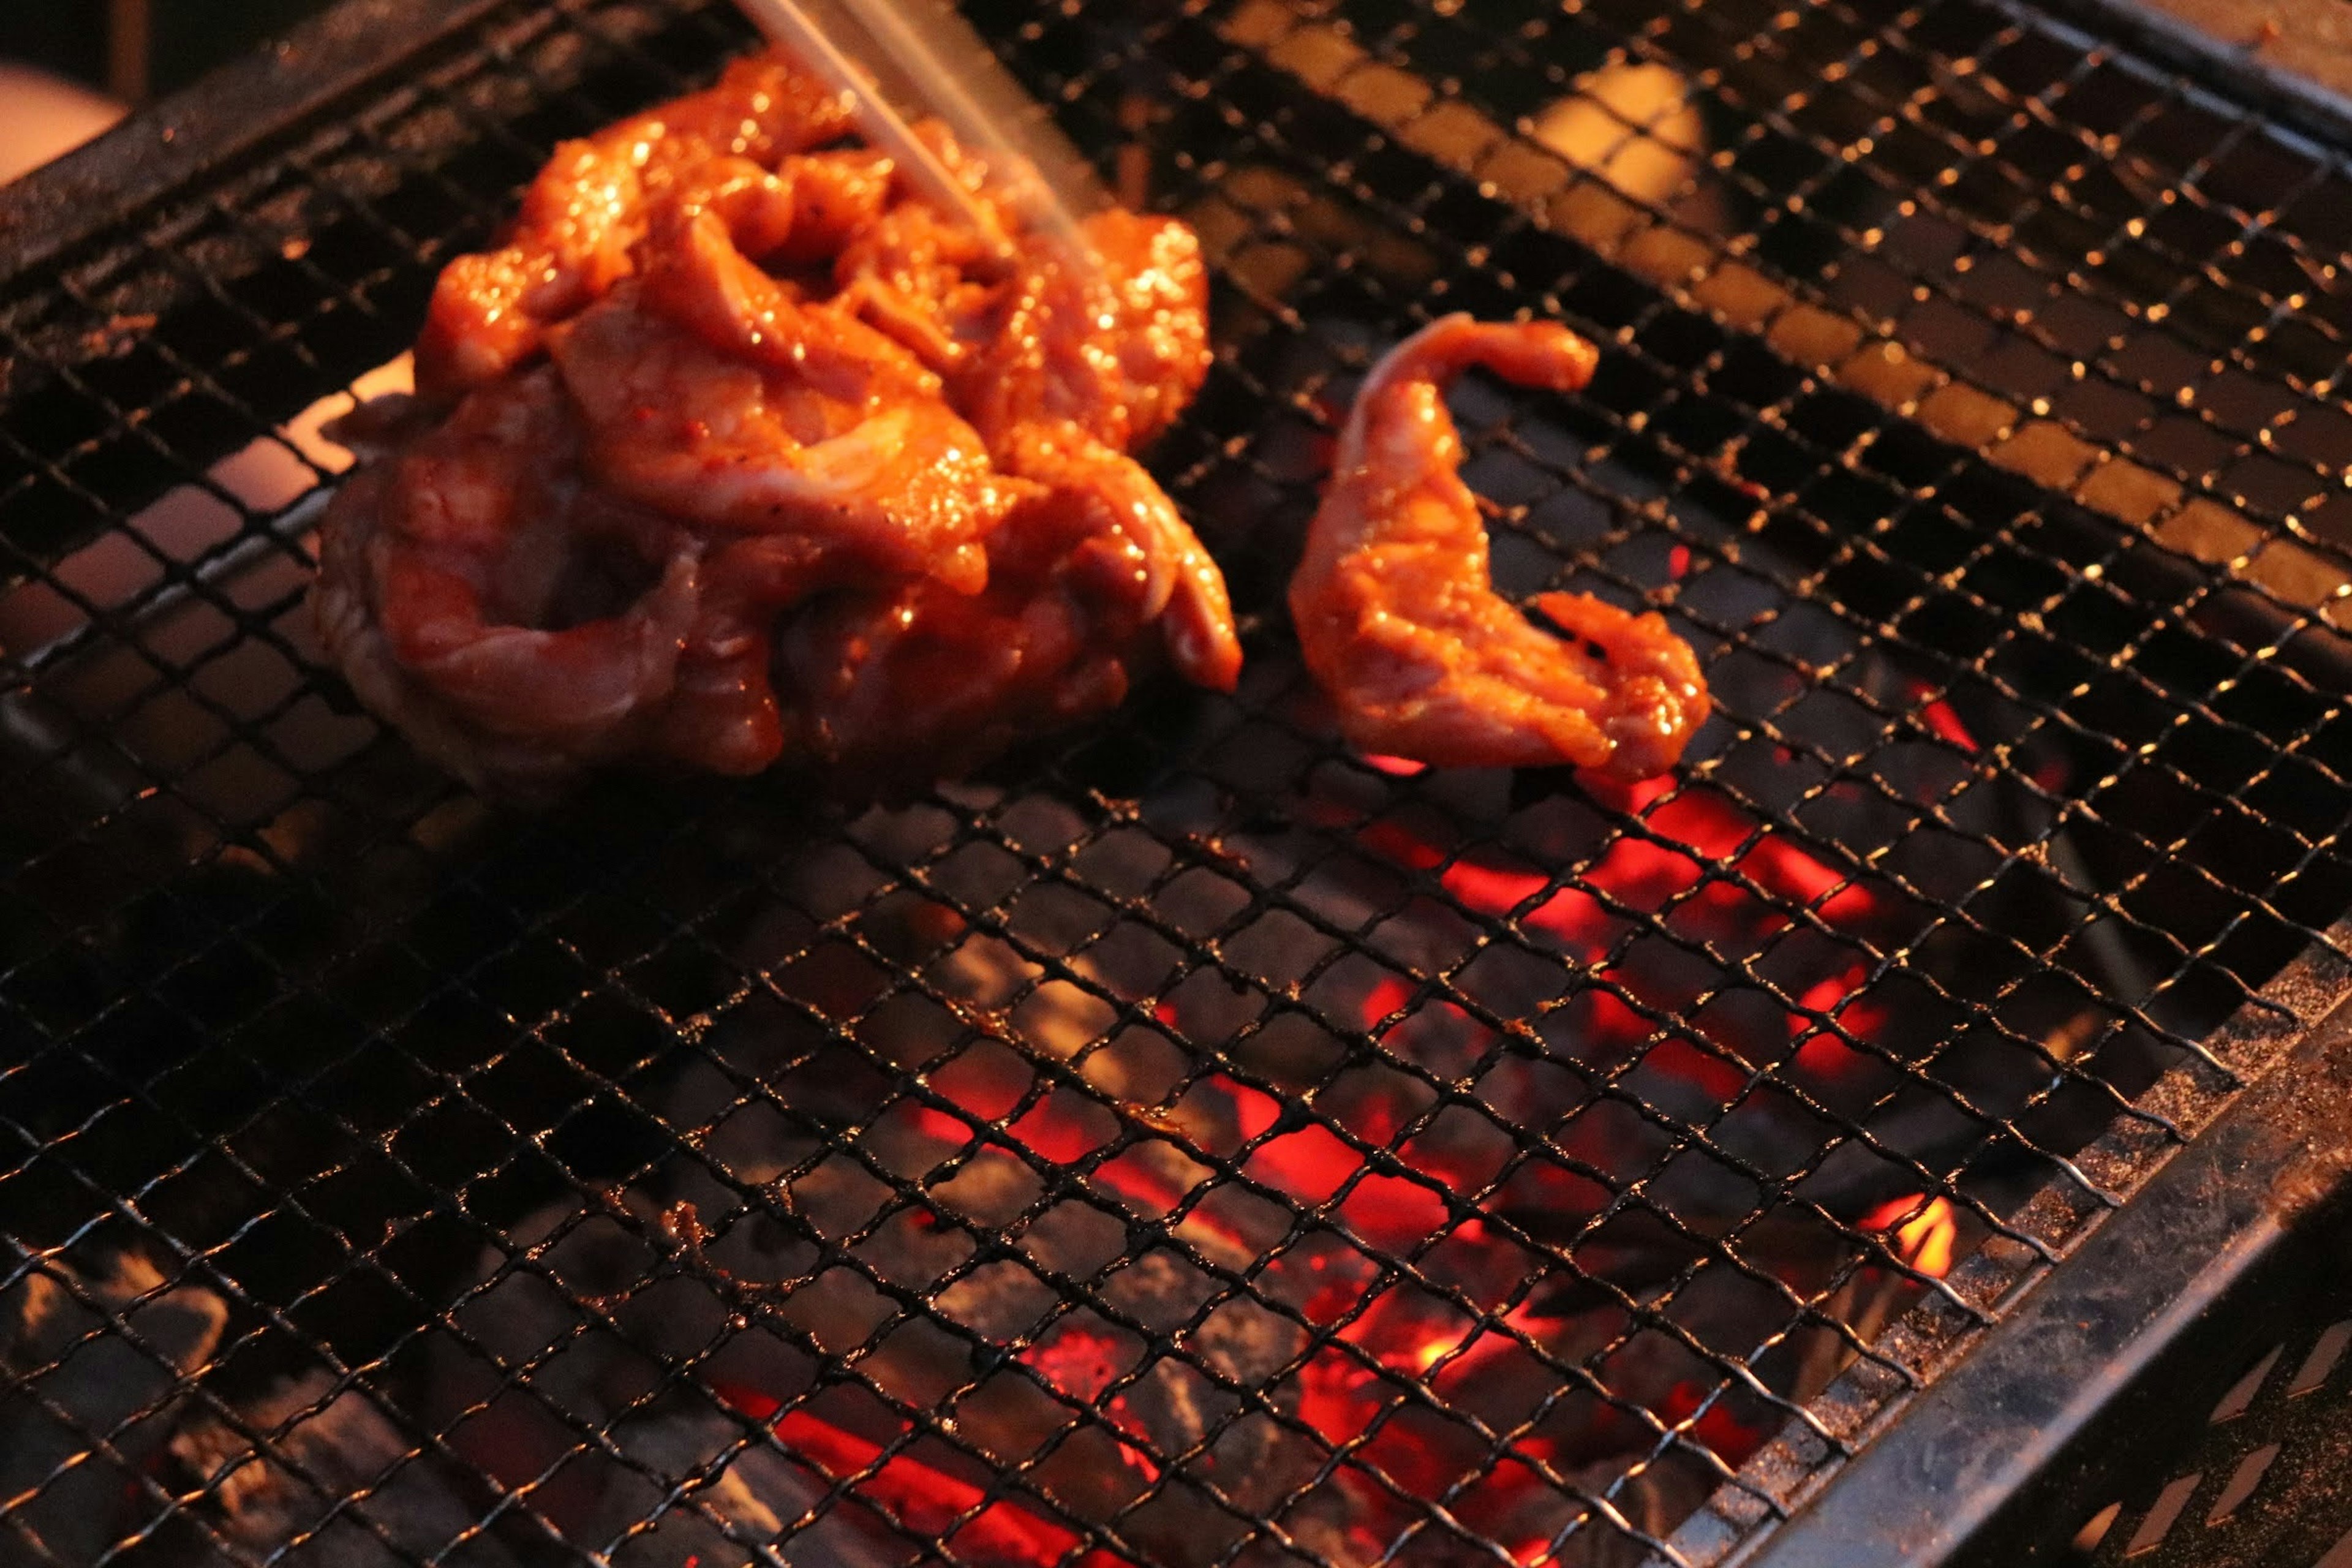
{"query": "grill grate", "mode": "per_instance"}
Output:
(1190, 1143)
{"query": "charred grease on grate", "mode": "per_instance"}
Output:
(1192, 1143)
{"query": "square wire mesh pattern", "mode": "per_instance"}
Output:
(1190, 1143)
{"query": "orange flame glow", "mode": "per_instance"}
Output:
(1922, 1237)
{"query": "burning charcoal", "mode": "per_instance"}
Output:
(752, 1496)
(1239, 1339)
(333, 1484)
(561, 1332)
(1163, 1404)
(1652, 1501)
(87, 1352)
(1063, 1403)
(1651, 1074)
(588, 1370)
(1595, 1449)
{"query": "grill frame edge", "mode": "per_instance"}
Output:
(2224, 1240)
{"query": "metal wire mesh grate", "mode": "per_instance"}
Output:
(1190, 1143)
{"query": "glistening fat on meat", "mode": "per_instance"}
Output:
(736, 451)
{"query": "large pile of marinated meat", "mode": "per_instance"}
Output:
(738, 450)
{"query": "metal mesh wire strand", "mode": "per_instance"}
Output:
(1192, 1142)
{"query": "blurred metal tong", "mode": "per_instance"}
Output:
(913, 41)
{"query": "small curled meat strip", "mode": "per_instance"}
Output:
(1399, 621)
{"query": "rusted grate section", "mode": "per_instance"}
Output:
(1190, 1143)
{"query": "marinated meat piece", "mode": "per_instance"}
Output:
(722, 714)
(1119, 346)
(1089, 557)
(583, 214)
(739, 451)
(742, 444)
(1399, 621)
(958, 677)
(513, 622)
(1174, 582)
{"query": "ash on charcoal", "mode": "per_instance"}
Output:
(571, 1320)
(332, 1483)
(305, 1474)
(745, 1500)
(95, 1360)
(1262, 1426)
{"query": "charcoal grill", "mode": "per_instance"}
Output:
(1189, 1143)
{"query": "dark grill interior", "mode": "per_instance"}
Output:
(1189, 1143)
(2259, 1479)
